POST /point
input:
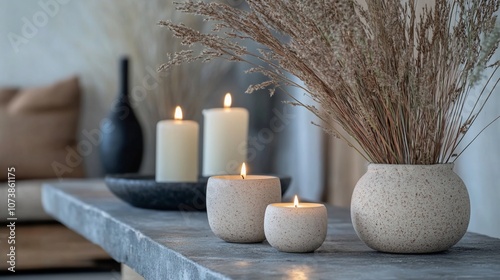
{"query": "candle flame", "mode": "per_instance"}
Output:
(243, 171)
(178, 113)
(296, 201)
(227, 100)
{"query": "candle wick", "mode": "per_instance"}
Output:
(295, 206)
(243, 177)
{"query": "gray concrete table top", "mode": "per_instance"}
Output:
(180, 245)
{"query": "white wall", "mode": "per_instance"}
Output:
(69, 41)
(479, 167)
(302, 150)
(42, 41)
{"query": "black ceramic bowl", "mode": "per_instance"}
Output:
(144, 192)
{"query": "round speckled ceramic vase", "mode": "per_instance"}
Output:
(410, 208)
(236, 206)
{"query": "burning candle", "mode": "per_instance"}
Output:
(295, 227)
(225, 136)
(177, 149)
(236, 205)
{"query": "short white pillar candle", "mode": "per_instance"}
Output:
(296, 227)
(177, 150)
(236, 205)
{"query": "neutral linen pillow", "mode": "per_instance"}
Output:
(38, 131)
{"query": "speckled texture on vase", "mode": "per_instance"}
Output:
(236, 207)
(295, 230)
(410, 208)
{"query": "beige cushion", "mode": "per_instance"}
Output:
(38, 131)
(28, 201)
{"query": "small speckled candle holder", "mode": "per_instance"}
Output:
(296, 229)
(236, 206)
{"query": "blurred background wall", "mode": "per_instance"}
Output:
(44, 41)
(86, 38)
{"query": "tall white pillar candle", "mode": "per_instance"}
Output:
(177, 150)
(225, 137)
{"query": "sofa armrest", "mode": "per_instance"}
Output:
(28, 201)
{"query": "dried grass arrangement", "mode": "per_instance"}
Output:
(397, 81)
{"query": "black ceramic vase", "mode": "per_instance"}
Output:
(121, 135)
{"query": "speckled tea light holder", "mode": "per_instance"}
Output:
(300, 229)
(236, 206)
